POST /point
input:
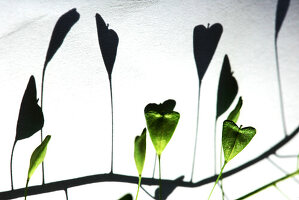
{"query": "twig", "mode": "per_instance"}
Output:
(273, 183)
(65, 184)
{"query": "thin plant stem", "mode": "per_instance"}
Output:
(221, 180)
(280, 89)
(155, 165)
(66, 194)
(220, 174)
(13, 148)
(100, 178)
(221, 187)
(195, 142)
(286, 156)
(269, 185)
(139, 181)
(41, 105)
(26, 189)
(111, 98)
(215, 157)
(281, 169)
(281, 192)
(147, 192)
(160, 188)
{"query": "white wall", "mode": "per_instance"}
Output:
(154, 63)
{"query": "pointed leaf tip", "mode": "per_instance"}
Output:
(234, 115)
(140, 151)
(38, 156)
(31, 118)
(61, 29)
(227, 88)
(108, 42)
(235, 139)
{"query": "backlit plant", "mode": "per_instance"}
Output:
(161, 119)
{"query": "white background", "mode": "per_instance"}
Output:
(154, 62)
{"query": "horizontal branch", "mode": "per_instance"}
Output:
(65, 184)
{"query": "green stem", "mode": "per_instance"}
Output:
(220, 174)
(155, 165)
(138, 186)
(160, 189)
(26, 189)
(273, 183)
(221, 180)
(281, 192)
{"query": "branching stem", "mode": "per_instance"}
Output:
(273, 183)
(139, 181)
(220, 174)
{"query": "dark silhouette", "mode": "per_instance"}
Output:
(169, 188)
(281, 11)
(127, 197)
(61, 29)
(31, 118)
(165, 107)
(62, 185)
(227, 91)
(227, 88)
(205, 41)
(108, 41)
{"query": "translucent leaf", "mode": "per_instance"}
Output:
(127, 197)
(227, 88)
(61, 29)
(38, 156)
(108, 41)
(31, 118)
(235, 139)
(161, 124)
(166, 107)
(140, 151)
(205, 41)
(234, 115)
